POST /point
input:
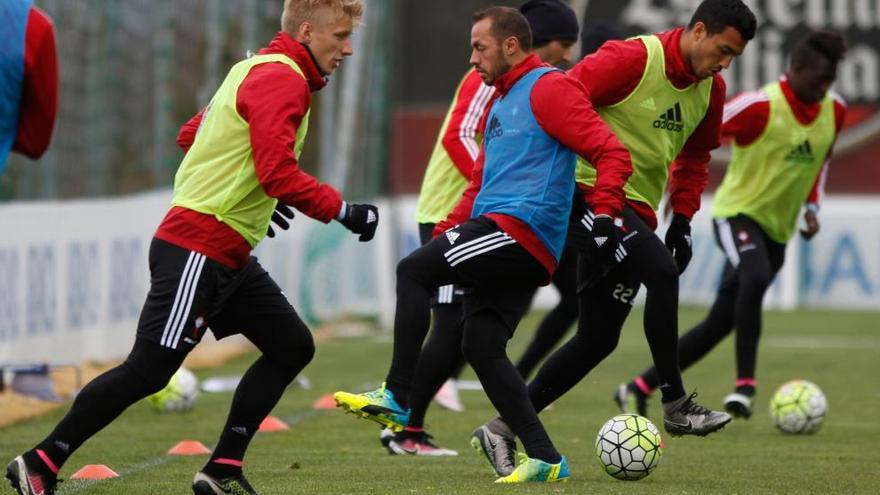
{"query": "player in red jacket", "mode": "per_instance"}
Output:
(242, 158)
(28, 80)
(554, 30)
(662, 95)
(753, 233)
(506, 234)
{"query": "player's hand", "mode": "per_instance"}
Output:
(679, 242)
(812, 225)
(361, 219)
(278, 218)
(604, 242)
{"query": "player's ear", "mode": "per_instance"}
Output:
(700, 31)
(510, 46)
(304, 34)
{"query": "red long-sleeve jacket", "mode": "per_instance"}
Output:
(747, 115)
(273, 100)
(39, 97)
(561, 108)
(613, 72)
(466, 122)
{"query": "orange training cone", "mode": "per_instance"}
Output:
(189, 447)
(325, 402)
(271, 423)
(94, 472)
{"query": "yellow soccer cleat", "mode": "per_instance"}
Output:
(378, 405)
(536, 470)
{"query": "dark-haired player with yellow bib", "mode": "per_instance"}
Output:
(782, 139)
(663, 97)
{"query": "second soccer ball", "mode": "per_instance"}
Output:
(798, 406)
(179, 395)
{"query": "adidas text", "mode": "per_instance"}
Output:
(670, 120)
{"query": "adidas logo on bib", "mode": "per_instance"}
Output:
(670, 120)
(494, 129)
(648, 104)
(802, 153)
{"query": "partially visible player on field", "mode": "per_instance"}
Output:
(596, 34)
(557, 322)
(505, 236)
(241, 160)
(28, 80)
(663, 96)
(782, 137)
(554, 30)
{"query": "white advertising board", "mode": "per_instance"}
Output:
(74, 274)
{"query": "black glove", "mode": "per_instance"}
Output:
(278, 218)
(361, 219)
(606, 239)
(679, 242)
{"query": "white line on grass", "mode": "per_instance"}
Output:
(80, 485)
(823, 342)
(76, 486)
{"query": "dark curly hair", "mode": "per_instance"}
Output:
(829, 44)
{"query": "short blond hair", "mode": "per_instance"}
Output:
(297, 12)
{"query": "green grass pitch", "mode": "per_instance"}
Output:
(333, 453)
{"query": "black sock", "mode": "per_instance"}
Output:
(748, 319)
(439, 359)
(661, 326)
(671, 393)
(747, 390)
(41, 463)
(484, 344)
(412, 320)
(595, 339)
(287, 347)
(559, 320)
(703, 337)
(549, 333)
(411, 434)
(256, 395)
(632, 387)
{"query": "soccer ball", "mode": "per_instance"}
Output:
(179, 395)
(798, 406)
(629, 447)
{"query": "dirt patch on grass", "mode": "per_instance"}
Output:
(16, 407)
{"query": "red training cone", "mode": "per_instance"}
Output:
(189, 447)
(271, 423)
(94, 472)
(325, 402)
